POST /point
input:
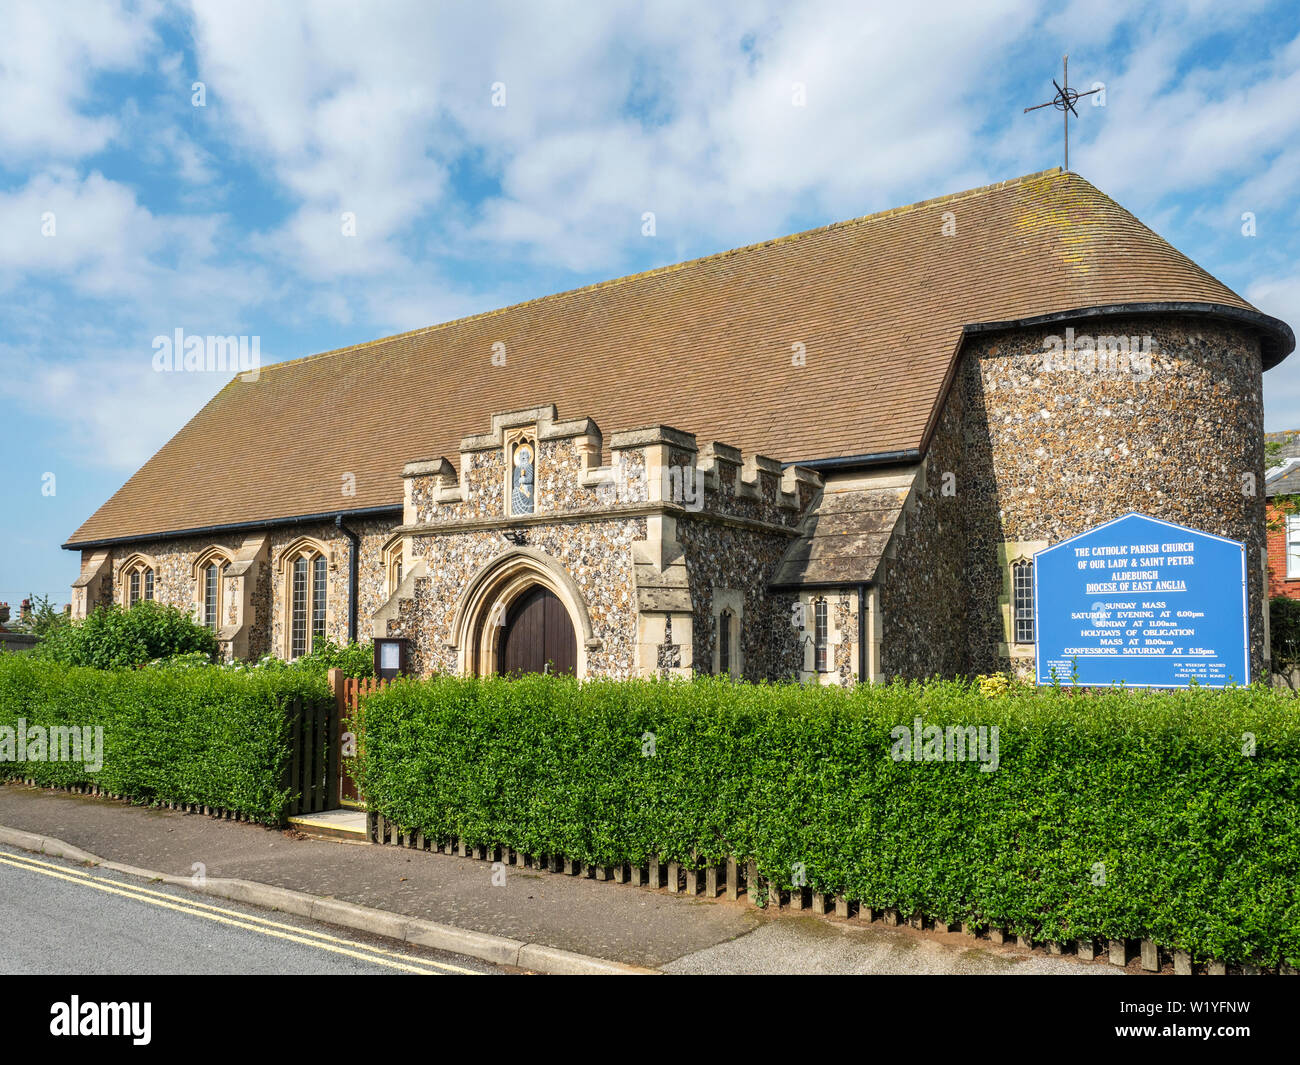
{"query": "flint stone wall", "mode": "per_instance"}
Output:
(1050, 451)
(596, 554)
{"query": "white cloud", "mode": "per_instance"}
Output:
(385, 111)
(610, 111)
(51, 56)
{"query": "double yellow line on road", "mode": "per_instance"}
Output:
(247, 922)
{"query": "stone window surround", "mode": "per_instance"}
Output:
(394, 560)
(821, 641)
(834, 635)
(1009, 553)
(303, 547)
(1022, 573)
(732, 601)
(210, 556)
(134, 563)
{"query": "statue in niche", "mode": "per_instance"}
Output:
(522, 480)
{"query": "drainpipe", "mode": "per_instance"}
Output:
(862, 634)
(354, 558)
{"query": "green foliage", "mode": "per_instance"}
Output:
(204, 736)
(1284, 633)
(1282, 506)
(1198, 842)
(113, 638)
(355, 659)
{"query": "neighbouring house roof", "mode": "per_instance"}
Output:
(1289, 441)
(1284, 480)
(880, 305)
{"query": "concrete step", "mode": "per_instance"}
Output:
(337, 826)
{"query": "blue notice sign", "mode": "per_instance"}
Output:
(1142, 602)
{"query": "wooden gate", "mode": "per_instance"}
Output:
(349, 694)
(313, 757)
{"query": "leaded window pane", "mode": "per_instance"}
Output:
(1022, 587)
(319, 590)
(821, 635)
(298, 610)
(210, 593)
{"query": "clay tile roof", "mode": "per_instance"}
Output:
(879, 302)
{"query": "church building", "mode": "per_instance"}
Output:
(826, 457)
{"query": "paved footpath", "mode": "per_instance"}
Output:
(616, 922)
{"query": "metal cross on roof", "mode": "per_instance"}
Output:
(1063, 101)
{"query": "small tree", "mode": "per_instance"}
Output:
(43, 619)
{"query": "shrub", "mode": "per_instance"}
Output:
(113, 638)
(206, 736)
(355, 659)
(1198, 843)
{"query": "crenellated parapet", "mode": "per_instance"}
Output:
(532, 467)
(658, 534)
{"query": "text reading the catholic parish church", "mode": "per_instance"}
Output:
(1160, 610)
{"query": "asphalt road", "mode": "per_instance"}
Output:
(57, 917)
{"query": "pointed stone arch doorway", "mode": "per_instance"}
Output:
(522, 613)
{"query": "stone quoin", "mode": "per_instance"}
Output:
(829, 457)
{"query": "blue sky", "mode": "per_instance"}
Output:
(226, 218)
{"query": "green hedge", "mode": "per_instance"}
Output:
(203, 736)
(1200, 843)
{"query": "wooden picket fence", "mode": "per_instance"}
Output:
(739, 880)
(349, 696)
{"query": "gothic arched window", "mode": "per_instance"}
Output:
(210, 580)
(137, 580)
(306, 577)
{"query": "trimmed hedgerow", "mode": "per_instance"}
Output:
(204, 736)
(1112, 814)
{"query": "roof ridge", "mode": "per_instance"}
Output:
(671, 267)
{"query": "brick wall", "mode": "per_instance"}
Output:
(1277, 579)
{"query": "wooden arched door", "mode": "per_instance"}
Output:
(538, 636)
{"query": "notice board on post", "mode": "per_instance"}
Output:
(1142, 602)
